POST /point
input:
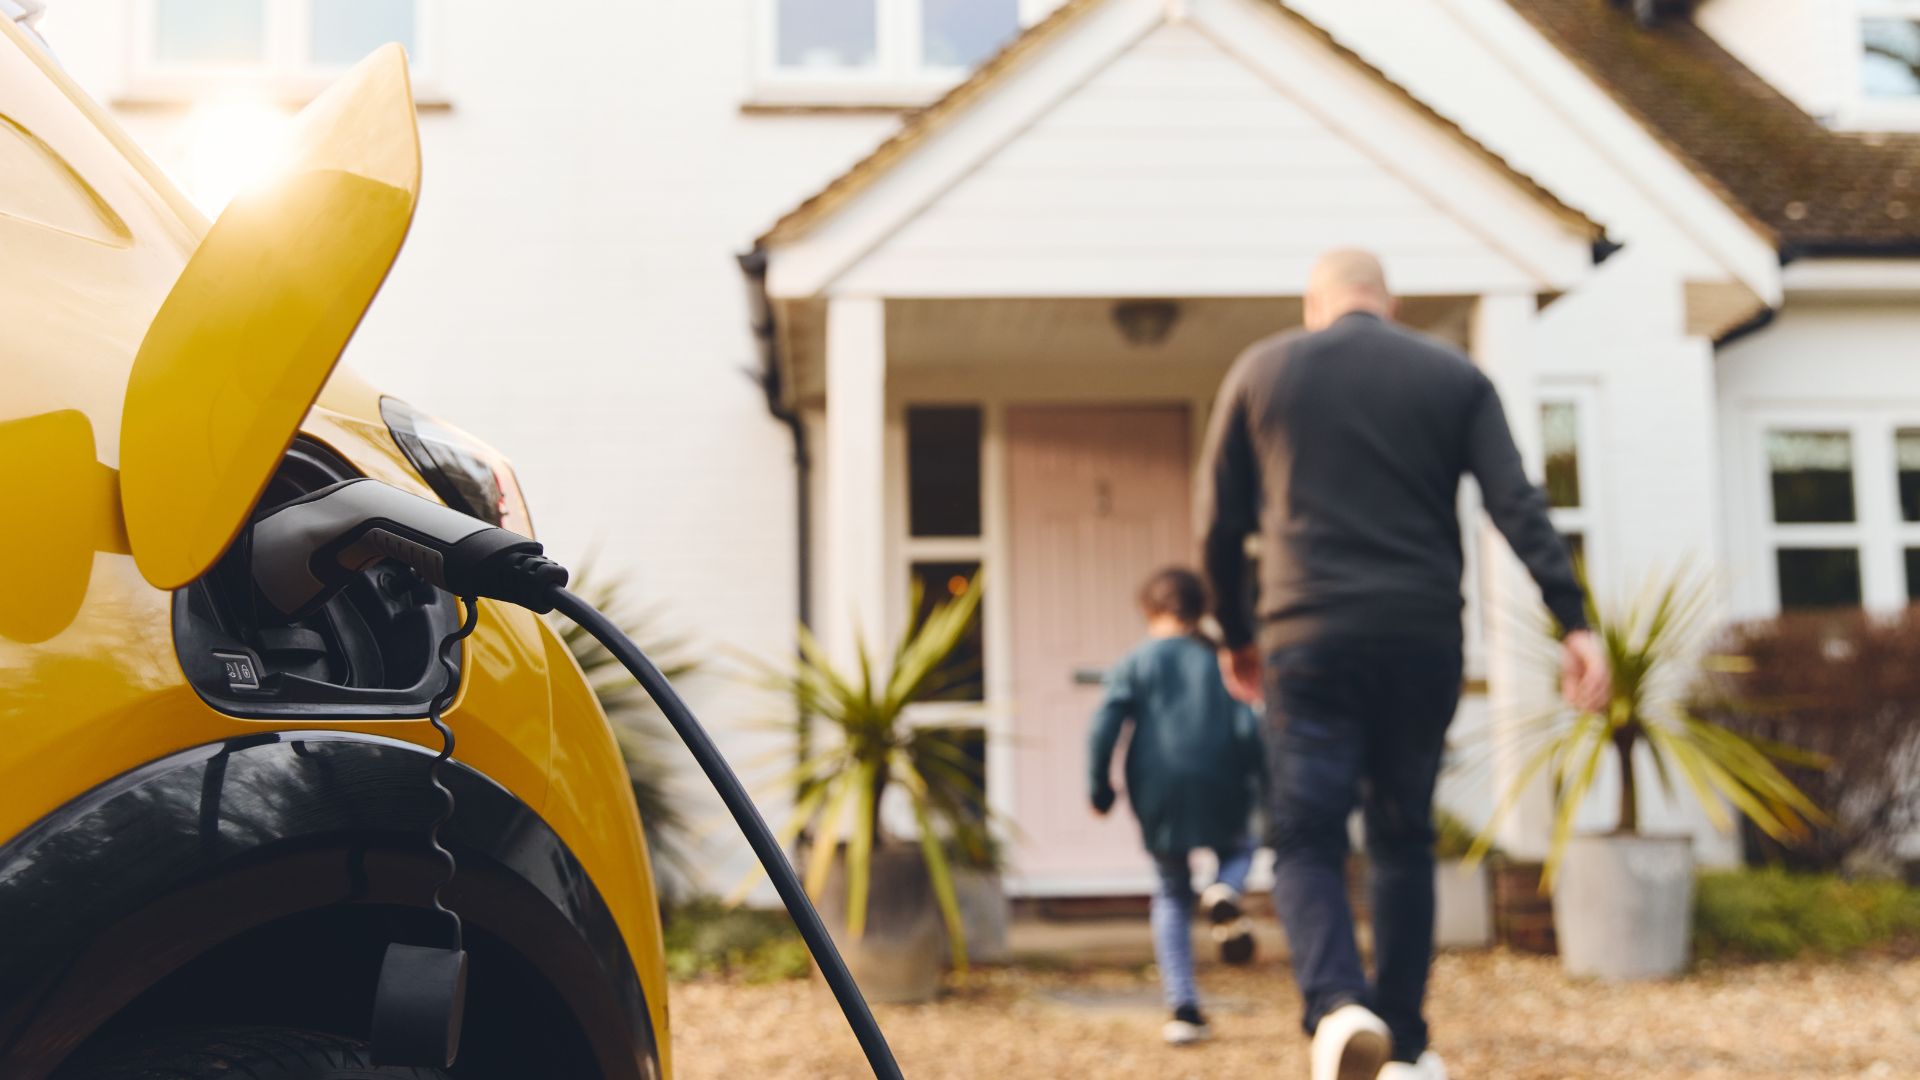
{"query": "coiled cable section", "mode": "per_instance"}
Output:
(440, 702)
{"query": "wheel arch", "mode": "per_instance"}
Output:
(233, 860)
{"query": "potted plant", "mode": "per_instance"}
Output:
(1462, 899)
(986, 915)
(1622, 900)
(889, 900)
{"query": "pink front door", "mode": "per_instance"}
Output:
(1098, 500)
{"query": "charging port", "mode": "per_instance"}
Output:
(367, 654)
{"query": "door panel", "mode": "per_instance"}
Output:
(1098, 500)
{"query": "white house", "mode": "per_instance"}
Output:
(785, 303)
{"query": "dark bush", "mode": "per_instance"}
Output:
(1846, 686)
(1775, 915)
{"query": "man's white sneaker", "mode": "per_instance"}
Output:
(1429, 1067)
(1351, 1043)
(1186, 1028)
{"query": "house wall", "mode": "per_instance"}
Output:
(1651, 480)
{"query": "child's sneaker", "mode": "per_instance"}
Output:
(1187, 1027)
(1232, 931)
(1429, 1067)
(1221, 902)
(1235, 940)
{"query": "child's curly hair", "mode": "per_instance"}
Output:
(1175, 591)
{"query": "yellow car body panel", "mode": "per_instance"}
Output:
(257, 319)
(93, 237)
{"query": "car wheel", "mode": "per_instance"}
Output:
(240, 1053)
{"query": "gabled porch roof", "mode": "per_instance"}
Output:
(1175, 147)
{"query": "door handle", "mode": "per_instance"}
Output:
(1089, 676)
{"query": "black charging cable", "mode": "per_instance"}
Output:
(740, 805)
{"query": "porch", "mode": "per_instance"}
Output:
(1003, 332)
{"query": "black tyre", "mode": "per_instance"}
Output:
(240, 1053)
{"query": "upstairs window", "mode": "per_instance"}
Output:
(284, 49)
(872, 50)
(1890, 49)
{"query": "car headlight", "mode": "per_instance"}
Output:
(467, 474)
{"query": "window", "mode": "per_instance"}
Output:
(1564, 416)
(1816, 555)
(945, 546)
(943, 471)
(1890, 49)
(960, 678)
(295, 46)
(881, 44)
(210, 33)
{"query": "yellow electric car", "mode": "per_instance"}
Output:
(214, 820)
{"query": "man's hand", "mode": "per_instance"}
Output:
(1584, 679)
(1240, 669)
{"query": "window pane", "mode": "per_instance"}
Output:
(1819, 577)
(943, 471)
(1913, 575)
(1906, 452)
(1576, 549)
(826, 33)
(1560, 440)
(1812, 476)
(960, 678)
(209, 31)
(961, 33)
(1890, 57)
(345, 31)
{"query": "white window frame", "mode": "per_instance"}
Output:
(1861, 111)
(896, 79)
(1586, 518)
(285, 72)
(1878, 531)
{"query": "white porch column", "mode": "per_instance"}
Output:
(1517, 687)
(854, 604)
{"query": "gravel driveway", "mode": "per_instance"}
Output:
(1494, 1015)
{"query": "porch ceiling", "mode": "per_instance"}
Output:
(1076, 341)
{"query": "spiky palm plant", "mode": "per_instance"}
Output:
(870, 748)
(1653, 645)
(646, 742)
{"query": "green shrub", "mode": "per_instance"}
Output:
(706, 937)
(1453, 838)
(1775, 915)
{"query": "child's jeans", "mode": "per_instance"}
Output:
(1173, 916)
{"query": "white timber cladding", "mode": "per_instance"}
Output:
(1213, 155)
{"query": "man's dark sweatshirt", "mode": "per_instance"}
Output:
(1344, 449)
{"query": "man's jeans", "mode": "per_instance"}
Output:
(1172, 916)
(1359, 721)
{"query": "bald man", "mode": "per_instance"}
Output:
(1343, 445)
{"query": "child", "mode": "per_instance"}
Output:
(1192, 771)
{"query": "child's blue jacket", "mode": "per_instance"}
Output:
(1196, 762)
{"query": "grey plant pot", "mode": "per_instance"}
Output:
(985, 914)
(1623, 906)
(1462, 906)
(902, 954)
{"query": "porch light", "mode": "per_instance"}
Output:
(1145, 322)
